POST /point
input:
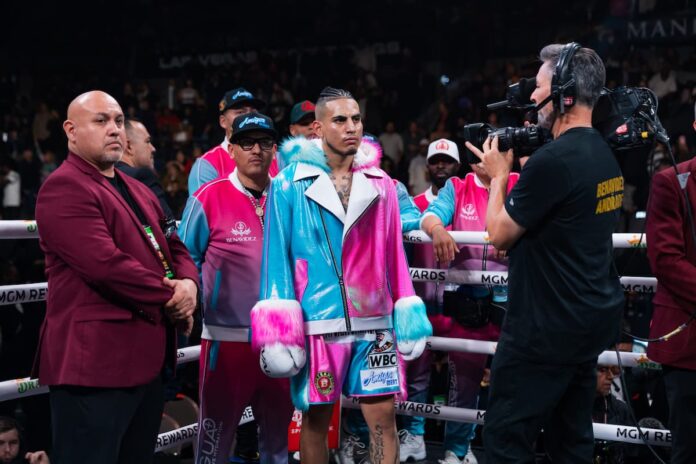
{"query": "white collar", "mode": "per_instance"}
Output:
(225, 145)
(234, 179)
(429, 195)
(478, 182)
(304, 170)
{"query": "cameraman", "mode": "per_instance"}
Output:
(565, 299)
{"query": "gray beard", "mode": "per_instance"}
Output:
(546, 121)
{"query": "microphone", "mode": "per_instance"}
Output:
(651, 423)
(517, 96)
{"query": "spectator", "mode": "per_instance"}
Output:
(12, 446)
(301, 119)
(42, 122)
(412, 139)
(29, 170)
(174, 184)
(392, 143)
(608, 409)
(188, 95)
(12, 190)
(672, 258)
(138, 161)
(184, 160)
(663, 82)
(418, 170)
(49, 164)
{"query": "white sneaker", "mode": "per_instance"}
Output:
(451, 458)
(411, 446)
(470, 457)
(353, 451)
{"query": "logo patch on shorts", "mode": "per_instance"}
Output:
(382, 353)
(384, 341)
(324, 382)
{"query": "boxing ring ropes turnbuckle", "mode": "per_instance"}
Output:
(19, 388)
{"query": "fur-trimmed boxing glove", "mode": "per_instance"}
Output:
(411, 327)
(277, 334)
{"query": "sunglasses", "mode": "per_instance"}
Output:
(615, 371)
(248, 143)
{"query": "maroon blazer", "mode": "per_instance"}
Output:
(104, 323)
(672, 254)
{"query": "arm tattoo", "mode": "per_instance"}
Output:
(343, 186)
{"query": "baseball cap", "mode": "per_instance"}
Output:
(445, 147)
(239, 96)
(253, 122)
(300, 110)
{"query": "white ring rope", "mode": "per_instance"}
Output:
(457, 276)
(27, 293)
(18, 229)
(481, 238)
(188, 433)
(28, 229)
(16, 388)
(608, 432)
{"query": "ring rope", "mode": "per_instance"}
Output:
(607, 432)
(28, 293)
(16, 388)
(457, 276)
(29, 229)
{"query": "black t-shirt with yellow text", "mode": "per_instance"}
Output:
(565, 299)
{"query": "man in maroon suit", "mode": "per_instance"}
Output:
(120, 282)
(672, 254)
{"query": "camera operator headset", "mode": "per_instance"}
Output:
(565, 298)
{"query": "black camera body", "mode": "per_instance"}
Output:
(627, 118)
(523, 140)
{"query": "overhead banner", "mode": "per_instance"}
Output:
(662, 30)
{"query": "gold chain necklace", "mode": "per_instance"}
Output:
(258, 205)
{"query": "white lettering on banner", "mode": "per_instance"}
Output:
(374, 379)
(211, 441)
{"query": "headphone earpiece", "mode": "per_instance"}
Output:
(563, 84)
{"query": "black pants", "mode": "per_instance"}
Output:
(681, 395)
(527, 396)
(105, 425)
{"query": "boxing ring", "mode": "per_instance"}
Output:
(25, 293)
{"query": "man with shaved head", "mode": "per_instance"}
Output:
(120, 287)
(138, 160)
